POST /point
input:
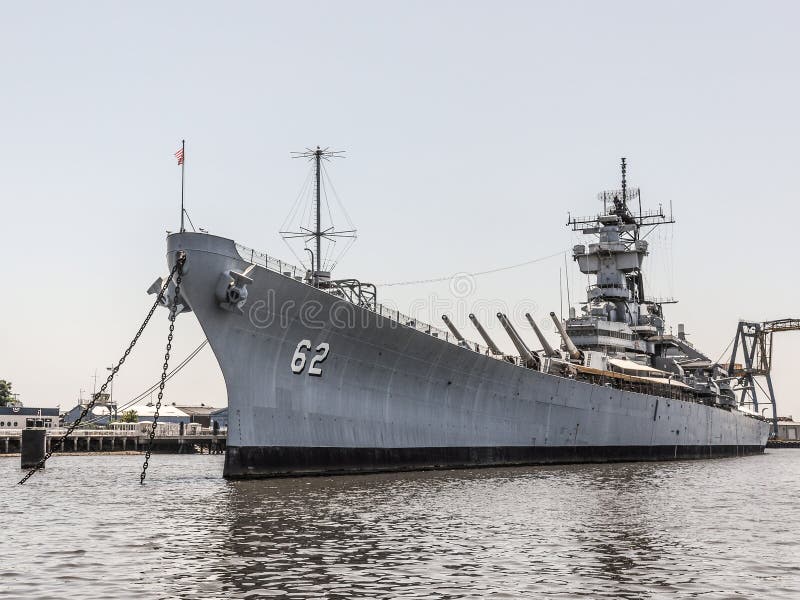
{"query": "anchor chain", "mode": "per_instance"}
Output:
(172, 314)
(56, 445)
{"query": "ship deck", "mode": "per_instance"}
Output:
(590, 375)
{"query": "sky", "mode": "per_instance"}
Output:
(471, 130)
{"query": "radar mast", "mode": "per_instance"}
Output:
(308, 225)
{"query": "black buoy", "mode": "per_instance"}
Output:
(33, 446)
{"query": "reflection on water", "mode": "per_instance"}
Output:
(716, 529)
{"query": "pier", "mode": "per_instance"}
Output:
(783, 444)
(100, 440)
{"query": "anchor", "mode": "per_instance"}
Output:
(232, 290)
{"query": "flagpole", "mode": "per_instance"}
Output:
(183, 168)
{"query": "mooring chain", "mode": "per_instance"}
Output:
(57, 444)
(173, 313)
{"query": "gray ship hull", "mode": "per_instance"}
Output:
(384, 396)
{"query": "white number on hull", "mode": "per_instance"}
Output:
(324, 348)
(299, 357)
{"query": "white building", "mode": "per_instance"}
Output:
(788, 429)
(168, 413)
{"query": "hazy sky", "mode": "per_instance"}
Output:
(471, 129)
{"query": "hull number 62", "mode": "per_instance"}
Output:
(299, 357)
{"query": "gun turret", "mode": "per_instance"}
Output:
(574, 353)
(489, 341)
(531, 360)
(548, 349)
(451, 326)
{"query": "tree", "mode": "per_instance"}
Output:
(129, 416)
(6, 397)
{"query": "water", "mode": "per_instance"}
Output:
(711, 529)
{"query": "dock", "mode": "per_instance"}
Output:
(783, 444)
(100, 440)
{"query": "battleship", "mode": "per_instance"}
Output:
(323, 379)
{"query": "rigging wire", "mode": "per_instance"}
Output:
(325, 196)
(331, 245)
(328, 183)
(299, 211)
(716, 362)
(172, 373)
(761, 387)
(155, 386)
(672, 259)
(477, 273)
(338, 200)
(297, 201)
(186, 212)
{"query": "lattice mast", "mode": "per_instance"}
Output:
(316, 232)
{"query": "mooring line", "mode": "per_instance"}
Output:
(173, 312)
(56, 445)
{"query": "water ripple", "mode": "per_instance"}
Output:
(712, 529)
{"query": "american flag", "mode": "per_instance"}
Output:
(179, 156)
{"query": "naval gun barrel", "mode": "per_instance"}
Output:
(451, 326)
(489, 341)
(519, 344)
(548, 349)
(574, 353)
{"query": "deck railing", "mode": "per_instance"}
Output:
(287, 269)
(262, 259)
(58, 431)
(116, 433)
